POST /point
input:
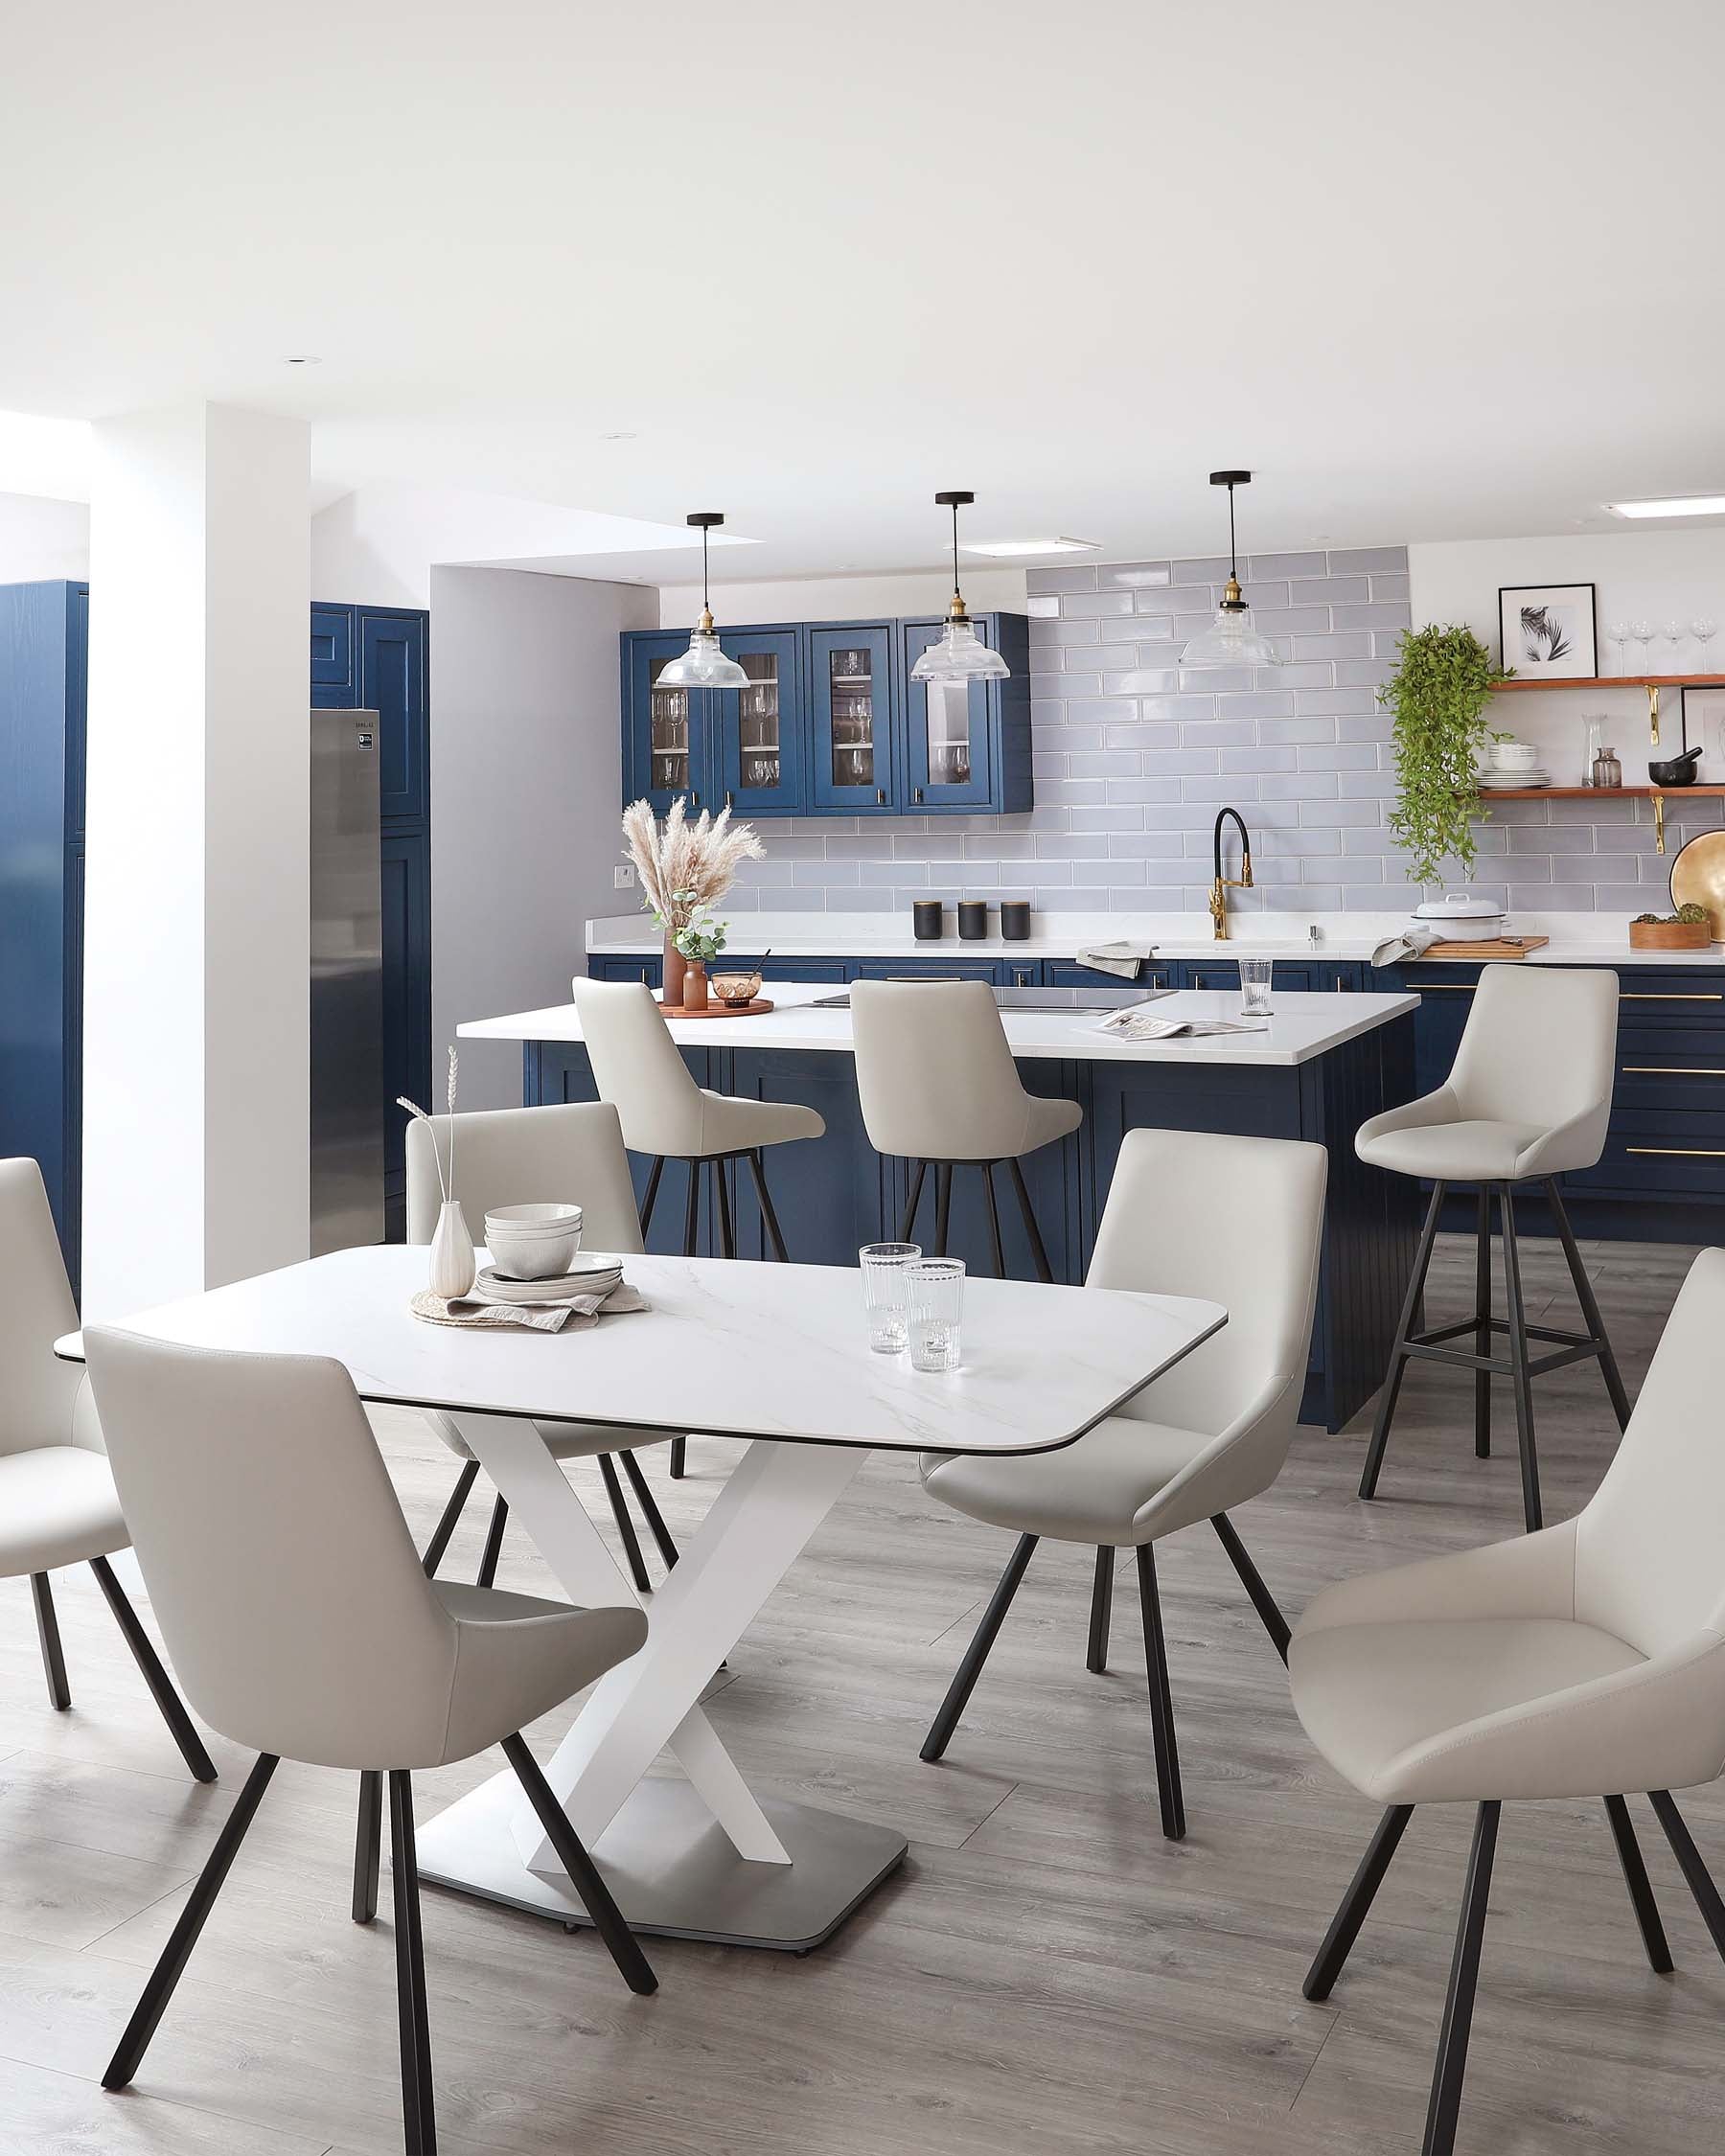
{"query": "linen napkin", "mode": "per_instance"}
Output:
(1125, 960)
(575, 1316)
(1409, 943)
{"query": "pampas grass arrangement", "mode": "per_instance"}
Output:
(446, 1184)
(686, 868)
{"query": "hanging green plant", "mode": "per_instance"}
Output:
(1443, 682)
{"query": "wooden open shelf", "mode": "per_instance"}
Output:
(1622, 682)
(1600, 792)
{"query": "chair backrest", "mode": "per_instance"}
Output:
(564, 1155)
(637, 1066)
(1238, 1220)
(279, 1566)
(38, 1394)
(1540, 1046)
(935, 1075)
(1650, 1545)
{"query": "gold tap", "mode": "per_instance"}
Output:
(1222, 884)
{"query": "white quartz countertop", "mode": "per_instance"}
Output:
(1300, 1028)
(1578, 939)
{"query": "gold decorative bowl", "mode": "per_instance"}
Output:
(735, 988)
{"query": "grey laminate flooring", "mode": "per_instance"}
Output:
(1047, 1975)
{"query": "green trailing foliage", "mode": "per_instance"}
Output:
(1690, 916)
(1443, 682)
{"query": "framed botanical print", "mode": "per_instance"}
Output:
(1548, 632)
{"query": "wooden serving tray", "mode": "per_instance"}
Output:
(1670, 935)
(1491, 946)
(717, 1009)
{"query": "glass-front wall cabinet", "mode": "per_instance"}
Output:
(757, 734)
(854, 765)
(947, 731)
(671, 746)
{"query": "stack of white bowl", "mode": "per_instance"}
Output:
(1513, 763)
(533, 1242)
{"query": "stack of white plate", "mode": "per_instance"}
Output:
(593, 1274)
(1492, 781)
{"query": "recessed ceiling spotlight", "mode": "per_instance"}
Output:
(304, 359)
(1671, 505)
(1003, 549)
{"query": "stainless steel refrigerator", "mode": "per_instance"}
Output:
(347, 983)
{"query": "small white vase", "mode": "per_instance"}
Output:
(452, 1264)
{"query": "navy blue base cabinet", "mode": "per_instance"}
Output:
(831, 725)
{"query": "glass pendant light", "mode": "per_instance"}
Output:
(961, 654)
(704, 665)
(1230, 639)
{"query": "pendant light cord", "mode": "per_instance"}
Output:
(955, 590)
(1233, 562)
(707, 604)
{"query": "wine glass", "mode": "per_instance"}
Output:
(1642, 633)
(1703, 630)
(1618, 633)
(1672, 636)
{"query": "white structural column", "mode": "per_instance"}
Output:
(196, 949)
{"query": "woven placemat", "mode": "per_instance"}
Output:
(572, 1317)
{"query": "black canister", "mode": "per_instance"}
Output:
(1015, 920)
(927, 919)
(972, 919)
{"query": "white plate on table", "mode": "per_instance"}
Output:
(594, 1274)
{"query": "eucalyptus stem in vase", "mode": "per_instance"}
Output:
(686, 869)
(454, 1263)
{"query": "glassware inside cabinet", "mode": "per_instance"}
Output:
(948, 733)
(670, 735)
(758, 719)
(850, 681)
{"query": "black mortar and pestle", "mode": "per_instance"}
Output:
(1676, 771)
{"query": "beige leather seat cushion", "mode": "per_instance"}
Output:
(518, 1658)
(730, 1124)
(1469, 1152)
(58, 1506)
(1091, 1491)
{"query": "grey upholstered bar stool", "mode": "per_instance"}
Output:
(295, 1606)
(1586, 1660)
(939, 1089)
(566, 1153)
(1527, 1100)
(1237, 1220)
(57, 1501)
(636, 1067)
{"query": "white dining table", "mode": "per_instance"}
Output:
(775, 1353)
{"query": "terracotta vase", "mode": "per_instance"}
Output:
(671, 989)
(695, 986)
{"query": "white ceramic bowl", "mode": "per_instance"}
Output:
(1514, 755)
(533, 1242)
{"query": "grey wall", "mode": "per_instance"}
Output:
(525, 780)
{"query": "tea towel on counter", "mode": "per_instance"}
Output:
(1408, 942)
(1124, 960)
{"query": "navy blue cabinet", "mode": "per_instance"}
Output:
(832, 723)
(44, 630)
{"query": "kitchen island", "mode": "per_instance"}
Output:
(1321, 1067)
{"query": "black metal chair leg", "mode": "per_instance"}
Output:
(167, 1973)
(1688, 1858)
(1262, 1600)
(1640, 1891)
(1520, 1380)
(692, 1211)
(1399, 1360)
(964, 1676)
(493, 1543)
(419, 2119)
(368, 1838)
(1039, 1257)
(995, 1249)
(1590, 1307)
(1356, 1903)
(649, 1511)
(1482, 1329)
(1161, 1700)
(632, 1548)
(650, 1198)
(770, 1219)
(943, 1205)
(161, 1685)
(54, 1658)
(1464, 1975)
(918, 1170)
(451, 1517)
(1096, 1660)
(728, 1239)
(608, 1919)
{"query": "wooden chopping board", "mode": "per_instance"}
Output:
(1491, 946)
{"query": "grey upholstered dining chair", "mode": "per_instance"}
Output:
(57, 1501)
(1585, 1661)
(1237, 1220)
(519, 1155)
(939, 1089)
(303, 1624)
(1527, 1100)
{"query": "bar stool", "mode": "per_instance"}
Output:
(939, 1089)
(518, 1155)
(1527, 1100)
(637, 1068)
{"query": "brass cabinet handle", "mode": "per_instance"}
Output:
(879, 796)
(1671, 996)
(1679, 1151)
(1673, 1070)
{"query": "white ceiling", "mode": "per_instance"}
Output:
(1434, 272)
